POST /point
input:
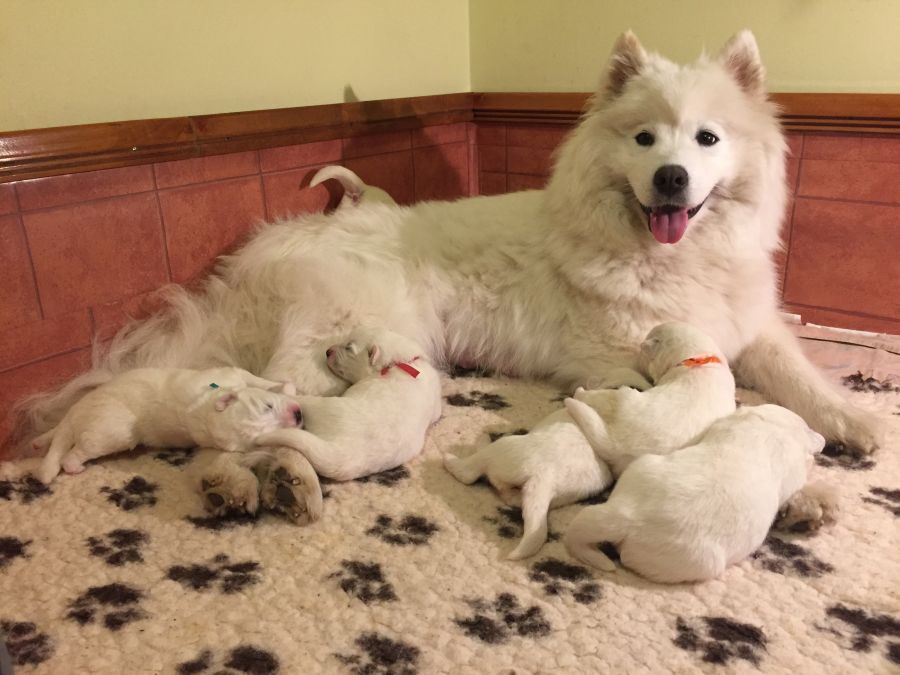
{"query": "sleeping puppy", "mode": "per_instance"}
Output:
(381, 419)
(688, 515)
(224, 408)
(693, 388)
(553, 465)
(355, 191)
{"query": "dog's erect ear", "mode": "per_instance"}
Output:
(627, 59)
(224, 401)
(374, 353)
(650, 346)
(740, 56)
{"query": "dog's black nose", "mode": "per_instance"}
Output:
(670, 179)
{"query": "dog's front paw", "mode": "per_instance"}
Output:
(228, 488)
(808, 509)
(290, 486)
(861, 432)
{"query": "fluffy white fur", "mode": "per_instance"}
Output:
(167, 407)
(355, 190)
(561, 283)
(689, 515)
(623, 424)
(553, 465)
(380, 422)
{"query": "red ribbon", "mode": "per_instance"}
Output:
(405, 367)
(699, 361)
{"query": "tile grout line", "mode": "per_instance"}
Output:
(162, 227)
(794, 197)
(37, 293)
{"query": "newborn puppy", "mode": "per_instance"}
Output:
(381, 419)
(694, 387)
(355, 191)
(553, 465)
(224, 408)
(689, 515)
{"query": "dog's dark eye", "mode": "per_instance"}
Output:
(645, 138)
(707, 138)
(269, 406)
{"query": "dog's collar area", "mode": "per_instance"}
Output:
(696, 361)
(405, 367)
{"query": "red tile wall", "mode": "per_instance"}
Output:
(80, 254)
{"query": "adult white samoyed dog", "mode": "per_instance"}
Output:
(665, 204)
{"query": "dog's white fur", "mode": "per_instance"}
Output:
(689, 515)
(380, 422)
(166, 407)
(624, 424)
(553, 465)
(560, 283)
(355, 190)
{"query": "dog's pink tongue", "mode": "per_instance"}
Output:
(668, 228)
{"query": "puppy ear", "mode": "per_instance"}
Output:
(740, 57)
(224, 401)
(626, 60)
(650, 346)
(374, 353)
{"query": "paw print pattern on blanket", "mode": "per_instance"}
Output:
(785, 557)
(510, 524)
(861, 630)
(887, 499)
(25, 490)
(380, 655)
(118, 603)
(176, 457)
(365, 581)
(840, 456)
(857, 382)
(134, 494)
(560, 577)
(119, 547)
(242, 659)
(219, 523)
(229, 577)
(410, 531)
(12, 548)
(388, 478)
(495, 435)
(25, 644)
(719, 639)
(480, 399)
(495, 622)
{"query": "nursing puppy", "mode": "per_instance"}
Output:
(355, 191)
(689, 515)
(694, 387)
(553, 465)
(380, 421)
(224, 408)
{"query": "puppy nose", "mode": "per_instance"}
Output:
(298, 417)
(670, 179)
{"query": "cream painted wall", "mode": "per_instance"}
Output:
(78, 61)
(807, 45)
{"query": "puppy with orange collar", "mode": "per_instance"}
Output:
(693, 388)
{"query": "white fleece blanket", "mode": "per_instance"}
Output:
(118, 570)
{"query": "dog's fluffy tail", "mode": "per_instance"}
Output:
(352, 184)
(537, 493)
(593, 427)
(590, 527)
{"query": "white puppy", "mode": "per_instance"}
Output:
(355, 191)
(694, 388)
(553, 465)
(380, 421)
(689, 515)
(224, 408)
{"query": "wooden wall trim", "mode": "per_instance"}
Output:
(46, 152)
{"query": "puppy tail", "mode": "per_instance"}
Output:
(537, 494)
(463, 469)
(59, 446)
(593, 525)
(352, 184)
(592, 426)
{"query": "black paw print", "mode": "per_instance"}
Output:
(481, 399)
(857, 382)
(380, 655)
(840, 456)
(888, 499)
(26, 489)
(12, 548)
(218, 523)
(599, 498)
(560, 577)
(495, 435)
(497, 621)
(457, 371)
(410, 531)
(230, 577)
(785, 557)
(118, 603)
(118, 547)
(26, 646)
(243, 659)
(865, 630)
(134, 494)
(510, 524)
(387, 478)
(364, 581)
(720, 640)
(177, 457)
